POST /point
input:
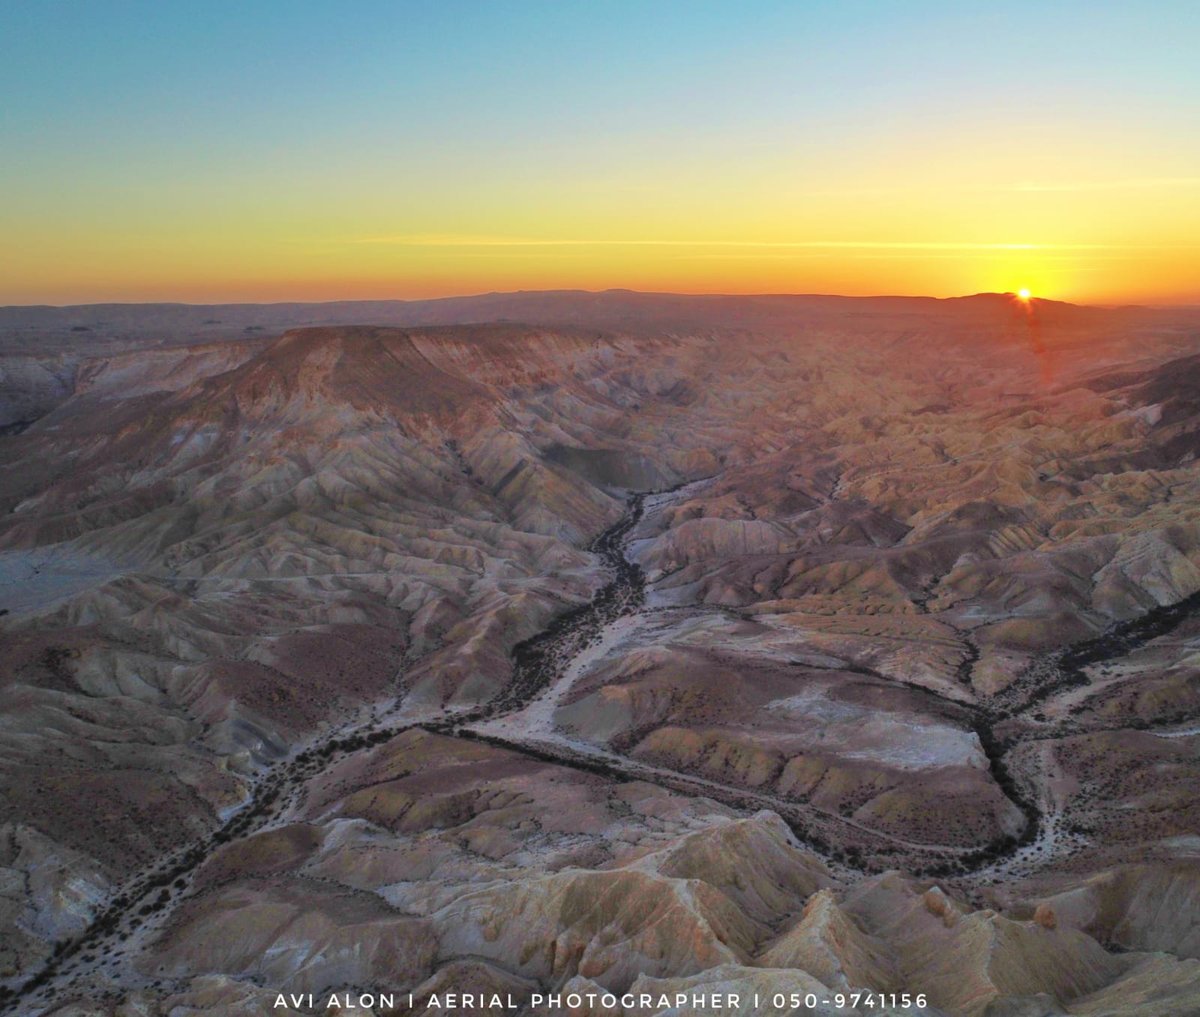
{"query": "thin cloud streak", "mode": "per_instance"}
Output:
(463, 240)
(1133, 255)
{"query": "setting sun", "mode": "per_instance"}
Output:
(1024, 294)
(338, 172)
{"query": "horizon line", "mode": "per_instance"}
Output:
(1185, 304)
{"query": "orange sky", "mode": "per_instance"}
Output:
(322, 155)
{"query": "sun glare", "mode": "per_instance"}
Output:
(1024, 294)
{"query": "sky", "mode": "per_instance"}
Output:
(210, 151)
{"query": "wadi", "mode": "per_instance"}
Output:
(637, 645)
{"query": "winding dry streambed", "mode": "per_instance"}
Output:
(140, 907)
(544, 666)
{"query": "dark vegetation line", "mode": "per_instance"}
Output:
(155, 889)
(1064, 669)
(537, 663)
(683, 783)
(1008, 784)
(538, 660)
(966, 667)
(1055, 672)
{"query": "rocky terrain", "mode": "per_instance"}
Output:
(601, 644)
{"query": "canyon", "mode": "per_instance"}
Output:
(630, 643)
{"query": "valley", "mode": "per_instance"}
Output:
(834, 644)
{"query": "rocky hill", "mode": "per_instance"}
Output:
(663, 645)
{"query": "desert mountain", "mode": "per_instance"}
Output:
(651, 643)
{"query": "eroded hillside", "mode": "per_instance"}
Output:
(846, 647)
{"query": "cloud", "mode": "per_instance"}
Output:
(472, 240)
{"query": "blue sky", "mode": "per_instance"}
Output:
(301, 122)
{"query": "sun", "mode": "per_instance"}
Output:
(1024, 294)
